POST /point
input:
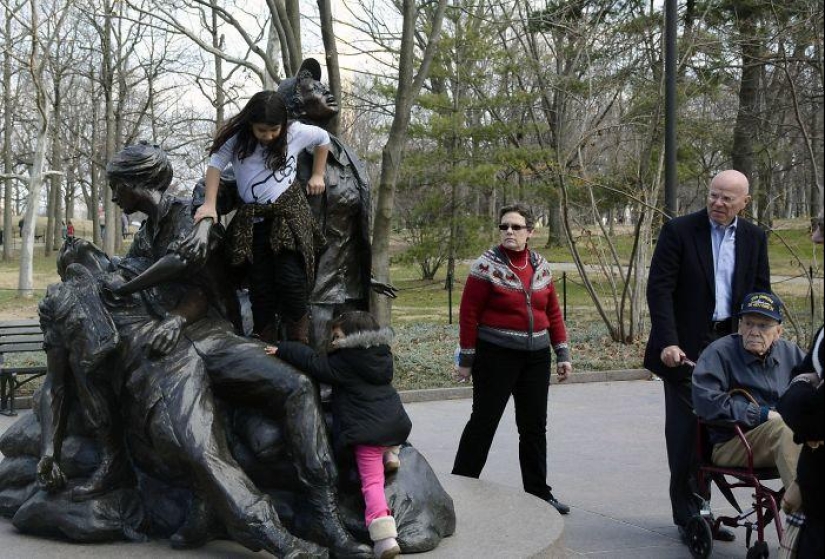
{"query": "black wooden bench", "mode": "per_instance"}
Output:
(18, 337)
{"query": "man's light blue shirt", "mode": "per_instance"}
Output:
(723, 240)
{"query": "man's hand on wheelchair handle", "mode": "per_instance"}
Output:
(672, 356)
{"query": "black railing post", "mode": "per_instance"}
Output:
(564, 293)
(449, 295)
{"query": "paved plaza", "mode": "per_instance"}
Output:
(607, 460)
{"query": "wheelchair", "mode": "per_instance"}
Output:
(764, 508)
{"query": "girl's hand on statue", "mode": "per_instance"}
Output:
(271, 350)
(206, 210)
(315, 185)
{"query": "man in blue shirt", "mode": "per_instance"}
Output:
(704, 264)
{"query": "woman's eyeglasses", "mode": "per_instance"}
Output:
(514, 227)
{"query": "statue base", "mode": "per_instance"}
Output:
(492, 521)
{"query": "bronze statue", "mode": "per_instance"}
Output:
(221, 438)
(343, 277)
(238, 370)
(166, 404)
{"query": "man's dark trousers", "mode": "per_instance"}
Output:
(680, 426)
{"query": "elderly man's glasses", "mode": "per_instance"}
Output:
(514, 227)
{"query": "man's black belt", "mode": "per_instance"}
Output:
(722, 327)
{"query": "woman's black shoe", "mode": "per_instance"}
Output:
(561, 507)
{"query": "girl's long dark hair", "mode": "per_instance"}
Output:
(265, 107)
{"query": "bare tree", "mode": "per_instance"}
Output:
(40, 48)
(411, 76)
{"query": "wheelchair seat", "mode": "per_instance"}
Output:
(764, 508)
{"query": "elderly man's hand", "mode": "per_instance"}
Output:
(672, 356)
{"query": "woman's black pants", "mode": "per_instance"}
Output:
(499, 372)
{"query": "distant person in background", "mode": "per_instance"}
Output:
(703, 266)
(63, 232)
(510, 322)
(124, 225)
(69, 229)
(20, 226)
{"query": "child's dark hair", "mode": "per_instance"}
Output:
(351, 322)
(265, 107)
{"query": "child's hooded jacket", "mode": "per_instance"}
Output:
(366, 409)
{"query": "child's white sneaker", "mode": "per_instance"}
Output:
(386, 549)
(383, 533)
(392, 461)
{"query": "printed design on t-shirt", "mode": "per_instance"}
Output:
(278, 175)
(287, 170)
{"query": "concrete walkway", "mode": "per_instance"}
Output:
(607, 460)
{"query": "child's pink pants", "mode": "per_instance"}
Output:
(370, 461)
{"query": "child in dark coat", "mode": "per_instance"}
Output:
(367, 413)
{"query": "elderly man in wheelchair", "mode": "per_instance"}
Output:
(737, 383)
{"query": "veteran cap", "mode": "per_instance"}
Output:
(766, 304)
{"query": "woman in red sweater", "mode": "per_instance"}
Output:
(509, 322)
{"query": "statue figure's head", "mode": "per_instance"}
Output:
(138, 176)
(141, 165)
(307, 98)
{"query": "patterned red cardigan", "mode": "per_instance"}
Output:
(497, 308)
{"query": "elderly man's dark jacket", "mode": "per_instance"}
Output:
(681, 292)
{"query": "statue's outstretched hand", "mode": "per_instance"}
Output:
(49, 475)
(195, 248)
(166, 335)
(112, 287)
(385, 289)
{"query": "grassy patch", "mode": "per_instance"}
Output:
(425, 339)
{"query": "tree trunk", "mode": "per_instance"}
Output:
(747, 124)
(8, 126)
(409, 84)
(51, 237)
(331, 54)
(109, 69)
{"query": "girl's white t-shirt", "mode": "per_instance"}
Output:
(258, 184)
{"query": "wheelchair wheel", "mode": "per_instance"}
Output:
(699, 537)
(759, 550)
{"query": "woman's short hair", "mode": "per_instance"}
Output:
(141, 165)
(521, 209)
(351, 322)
